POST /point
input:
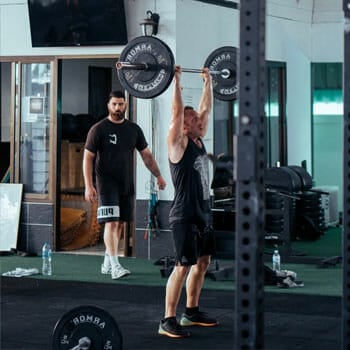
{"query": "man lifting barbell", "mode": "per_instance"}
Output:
(190, 214)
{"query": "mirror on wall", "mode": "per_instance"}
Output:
(327, 166)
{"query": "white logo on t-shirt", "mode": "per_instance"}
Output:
(113, 139)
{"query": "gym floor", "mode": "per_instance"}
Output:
(301, 318)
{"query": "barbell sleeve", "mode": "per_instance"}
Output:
(136, 66)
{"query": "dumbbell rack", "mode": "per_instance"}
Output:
(300, 213)
(223, 213)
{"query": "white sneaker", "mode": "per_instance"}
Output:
(106, 267)
(119, 271)
(106, 270)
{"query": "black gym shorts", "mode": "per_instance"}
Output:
(112, 207)
(190, 243)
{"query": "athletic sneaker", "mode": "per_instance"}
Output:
(119, 271)
(198, 319)
(106, 267)
(106, 270)
(172, 329)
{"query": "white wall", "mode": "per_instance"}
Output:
(160, 106)
(327, 32)
(297, 33)
(290, 41)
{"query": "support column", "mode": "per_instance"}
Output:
(249, 150)
(346, 182)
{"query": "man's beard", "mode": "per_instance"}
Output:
(118, 115)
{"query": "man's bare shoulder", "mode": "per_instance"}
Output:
(176, 148)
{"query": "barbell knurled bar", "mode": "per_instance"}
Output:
(225, 73)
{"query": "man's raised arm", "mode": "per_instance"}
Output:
(175, 135)
(206, 102)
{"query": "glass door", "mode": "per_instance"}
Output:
(226, 113)
(35, 129)
(33, 149)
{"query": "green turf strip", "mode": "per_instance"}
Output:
(328, 245)
(86, 268)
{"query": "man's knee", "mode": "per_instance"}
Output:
(181, 271)
(203, 263)
(114, 226)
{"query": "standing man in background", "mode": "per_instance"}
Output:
(110, 144)
(190, 213)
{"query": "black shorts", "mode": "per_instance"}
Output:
(190, 243)
(113, 207)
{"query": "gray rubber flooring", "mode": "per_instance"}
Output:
(30, 309)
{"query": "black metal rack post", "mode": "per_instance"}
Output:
(249, 163)
(346, 182)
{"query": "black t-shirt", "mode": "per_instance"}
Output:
(190, 177)
(114, 146)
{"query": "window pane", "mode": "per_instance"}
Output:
(35, 131)
(327, 127)
(274, 107)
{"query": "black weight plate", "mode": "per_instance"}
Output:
(224, 58)
(274, 228)
(271, 223)
(278, 206)
(270, 232)
(87, 321)
(154, 80)
(309, 195)
(274, 203)
(272, 196)
(275, 217)
(310, 201)
(274, 200)
(305, 177)
(306, 209)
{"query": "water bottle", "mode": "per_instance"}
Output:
(276, 261)
(47, 257)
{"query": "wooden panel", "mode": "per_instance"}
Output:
(64, 165)
(76, 152)
(88, 234)
(72, 165)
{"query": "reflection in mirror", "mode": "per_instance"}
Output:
(327, 161)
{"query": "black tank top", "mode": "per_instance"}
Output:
(190, 177)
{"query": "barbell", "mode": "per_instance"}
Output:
(87, 327)
(225, 73)
(146, 68)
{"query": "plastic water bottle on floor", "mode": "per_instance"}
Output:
(47, 260)
(276, 261)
